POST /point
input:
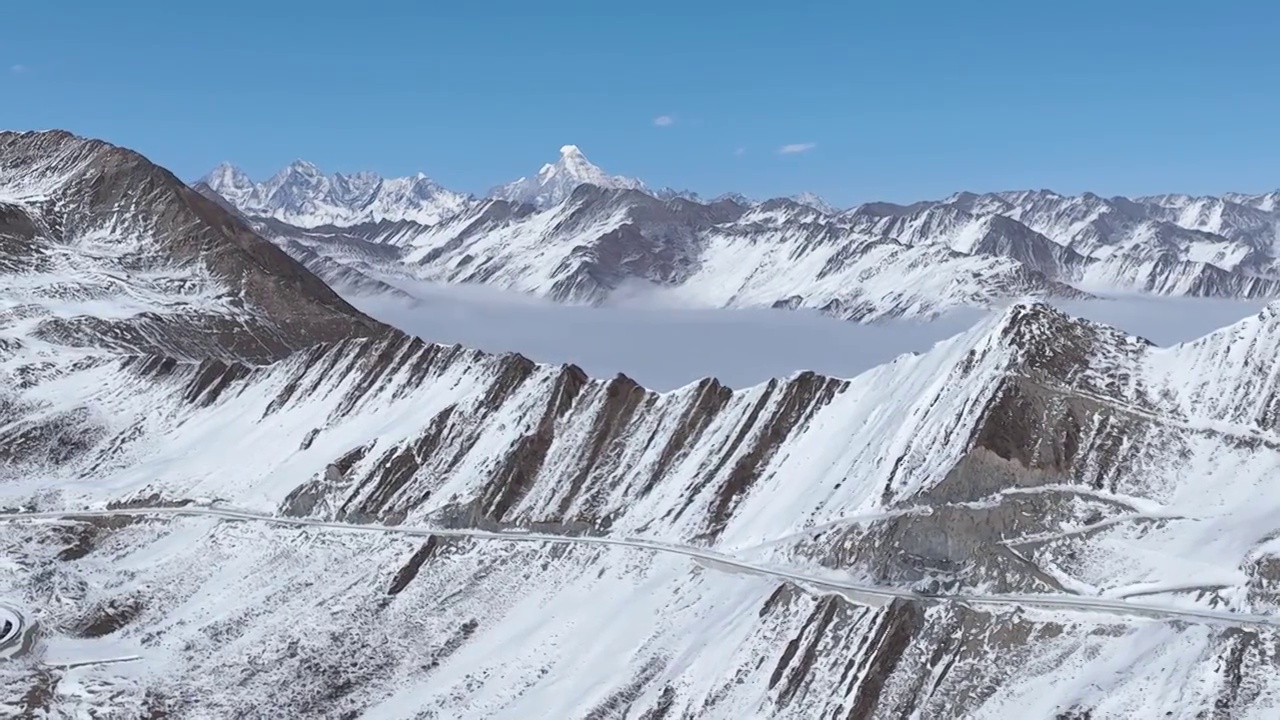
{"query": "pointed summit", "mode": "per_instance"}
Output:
(815, 201)
(303, 168)
(555, 182)
(230, 182)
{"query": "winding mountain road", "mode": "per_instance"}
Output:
(16, 632)
(857, 592)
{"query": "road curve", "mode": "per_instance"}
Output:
(16, 632)
(1074, 603)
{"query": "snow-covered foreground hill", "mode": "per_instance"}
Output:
(1039, 516)
(1033, 454)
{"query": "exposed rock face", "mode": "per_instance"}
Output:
(598, 244)
(518, 539)
(1005, 461)
(586, 237)
(84, 223)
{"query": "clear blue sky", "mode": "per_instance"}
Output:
(903, 100)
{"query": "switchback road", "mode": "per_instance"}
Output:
(858, 592)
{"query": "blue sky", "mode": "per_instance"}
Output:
(900, 100)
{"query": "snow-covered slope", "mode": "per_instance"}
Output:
(555, 182)
(1039, 517)
(766, 551)
(302, 195)
(971, 234)
(100, 248)
(816, 202)
(610, 245)
(598, 245)
(1225, 246)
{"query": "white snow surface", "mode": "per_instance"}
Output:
(611, 246)
(664, 344)
(556, 181)
(668, 541)
(524, 630)
(599, 246)
(302, 195)
(985, 247)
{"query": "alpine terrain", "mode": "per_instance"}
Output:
(575, 234)
(224, 492)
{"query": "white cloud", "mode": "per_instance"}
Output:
(795, 148)
(17, 69)
(647, 334)
(664, 121)
(740, 152)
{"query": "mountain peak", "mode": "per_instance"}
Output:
(305, 167)
(229, 182)
(555, 182)
(225, 172)
(301, 194)
(815, 201)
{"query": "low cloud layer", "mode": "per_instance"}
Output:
(664, 348)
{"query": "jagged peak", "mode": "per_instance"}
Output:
(815, 201)
(1044, 337)
(305, 166)
(226, 175)
(555, 182)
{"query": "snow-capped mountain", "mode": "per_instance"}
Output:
(816, 202)
(100, 248)
(1210, 230)
(578, 243)
(1039, 517)
(1267, 202)
(302, 195)
(875, 261)
(775, 254)
(555, 182)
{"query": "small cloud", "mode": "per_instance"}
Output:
(18, 69)
(796, 148)
(740, 152)
(664, 121)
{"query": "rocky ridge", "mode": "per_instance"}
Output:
(1036, 453)
(565, 235)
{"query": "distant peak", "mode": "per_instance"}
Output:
(226, 176)
(815, 202)
(304, 166)
(555, 182)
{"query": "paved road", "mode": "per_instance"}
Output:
(17, 634)
(874, 594)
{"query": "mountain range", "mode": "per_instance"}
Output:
(225, 492)
(576, 234)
